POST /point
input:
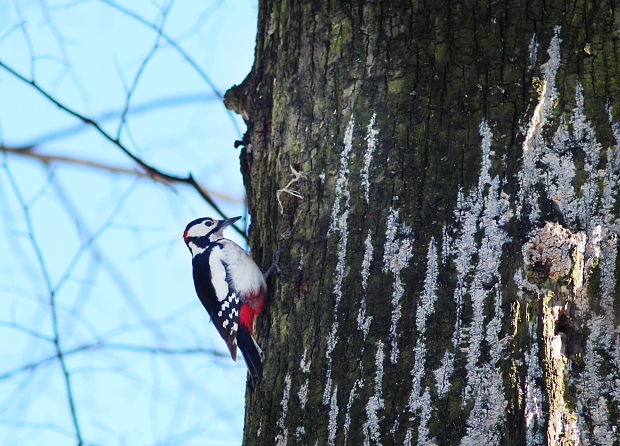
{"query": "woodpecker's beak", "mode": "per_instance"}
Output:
(229, 221)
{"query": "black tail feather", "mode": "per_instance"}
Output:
(252, 356)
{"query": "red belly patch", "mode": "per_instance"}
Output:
(252, 307)
(246, 317)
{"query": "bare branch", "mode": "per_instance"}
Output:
(147, 167)
(29, 153)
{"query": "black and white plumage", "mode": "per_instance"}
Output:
(230, 286)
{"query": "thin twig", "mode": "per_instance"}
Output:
(33, 425)
(28, 331)
(163, 350)
(98, 256)
(102, 346)
(287, 189)
(24, 30)
(11, 30)
(30, 153)
(32, 366)
(139, 73)
(90, 240)
(65, 60)
(52, 302)
(179, 49)
(143, 107)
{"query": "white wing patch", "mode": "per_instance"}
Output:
(218, 276)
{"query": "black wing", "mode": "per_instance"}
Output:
(220, 300)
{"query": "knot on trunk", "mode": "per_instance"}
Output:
(237, 100)
(555, 253)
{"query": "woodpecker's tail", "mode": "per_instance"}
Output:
(252, 354)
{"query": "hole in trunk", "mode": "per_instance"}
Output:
(564, 324)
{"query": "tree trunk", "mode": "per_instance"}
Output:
(443, 179)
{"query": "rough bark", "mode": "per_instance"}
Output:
(443, 178)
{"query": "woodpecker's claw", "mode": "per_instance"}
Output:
(274, 265)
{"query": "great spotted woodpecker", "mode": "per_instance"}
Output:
(230, 286)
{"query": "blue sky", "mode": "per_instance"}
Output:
(110, 243)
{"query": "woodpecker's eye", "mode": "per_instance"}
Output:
(208, 223)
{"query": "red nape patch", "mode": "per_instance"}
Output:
(185, 236)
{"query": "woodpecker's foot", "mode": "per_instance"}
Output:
(274, 265)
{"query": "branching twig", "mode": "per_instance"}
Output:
(52, 301)
(34, 365)
(62, 47)
(90, 240)
(133, 302)
(28, 152)
(143, 107)
(147, 167)
(27, 39)
(11, 30)
(287, 189)
(154, 350)
(179, 50)
(138, 75)
(28, 331)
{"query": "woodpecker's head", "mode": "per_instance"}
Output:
(203, 231)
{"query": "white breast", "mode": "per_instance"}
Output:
(246, 275)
